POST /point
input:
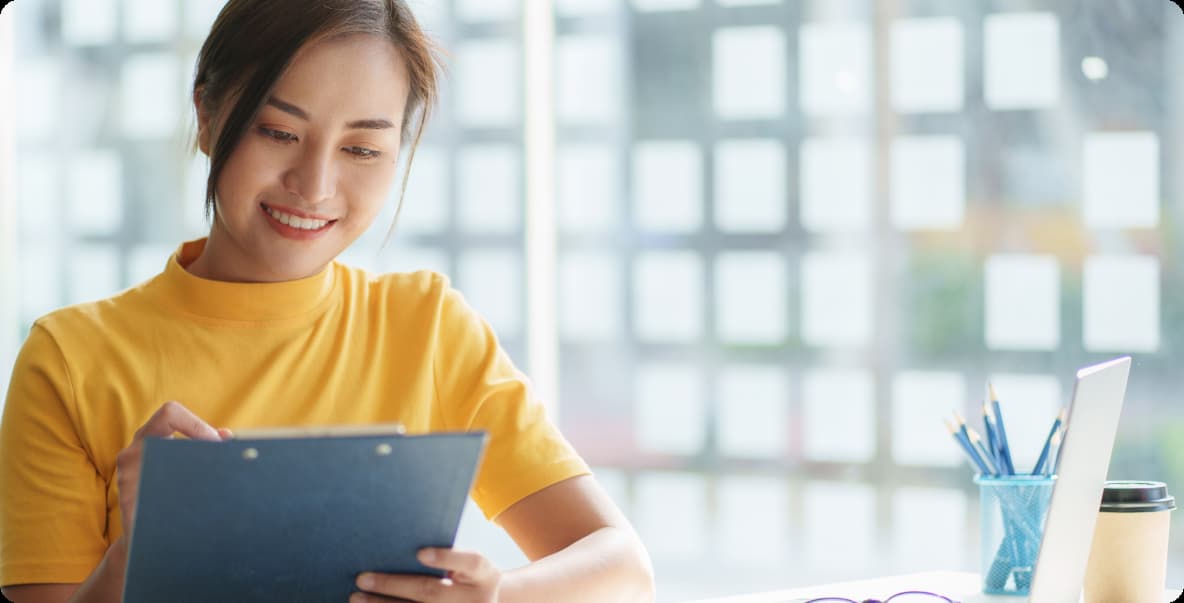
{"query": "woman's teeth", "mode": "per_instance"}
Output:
(294, 221)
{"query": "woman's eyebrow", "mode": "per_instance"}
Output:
(361, 124)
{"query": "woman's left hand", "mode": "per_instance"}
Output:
(471, 579)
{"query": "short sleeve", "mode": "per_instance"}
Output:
(53, 502)
(479, 388)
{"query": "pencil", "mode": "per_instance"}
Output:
(992, 438)
(1056, 457)
(1005, 450)
(982, 450)
(966, 447)
(965, 431)
(1056, 426)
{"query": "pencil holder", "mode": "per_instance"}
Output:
(1012, 513)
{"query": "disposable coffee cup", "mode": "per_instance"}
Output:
(1129, 557)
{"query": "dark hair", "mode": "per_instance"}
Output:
(252, 42)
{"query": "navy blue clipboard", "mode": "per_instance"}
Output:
(292, 519)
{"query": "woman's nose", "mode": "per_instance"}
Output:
(313, 178)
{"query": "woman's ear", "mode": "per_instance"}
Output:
(203, 123)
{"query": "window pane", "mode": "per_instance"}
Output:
(672, 531)
(837, 515)
(836, 70)
(492, 281)
(490, 190)
(751, 297)
(927, 65)
(668, 296)
(96, 193)
(148, 96)
(750, 194)
(39, 190)
(591, 299)
(1023, 302)
(648, 6)
(928, 182)
(1121, 297)
(753, 412)
(94, 272)
(669, 415)
(918, 514)
(149, 20)
(425, 204)
(749, 72)
(588, 79)
(1121, 186)
(749, 506)
(839, 415)
(836, 184)
(667, 186)
(918, 399)
(487, 10)
(200, 15)
(487, 83)
(589, 183)
(836, 299)
(38, 103)
(1022, 60)
(88, 22)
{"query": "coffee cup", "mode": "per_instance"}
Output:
(1129, 557)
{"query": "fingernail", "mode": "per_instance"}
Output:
(427, 555)
(365, 581)
(226, 433)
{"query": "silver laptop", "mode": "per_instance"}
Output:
(1091, 426)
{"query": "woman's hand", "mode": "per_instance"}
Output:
(471, 579)
(170, 418)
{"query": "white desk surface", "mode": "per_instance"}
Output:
(960, 586)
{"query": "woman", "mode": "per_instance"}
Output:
(303, 109)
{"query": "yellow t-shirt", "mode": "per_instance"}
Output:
(342, 347)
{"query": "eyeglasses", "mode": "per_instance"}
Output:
(908, 596)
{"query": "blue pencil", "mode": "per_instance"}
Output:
(970, 452)
(1056, 425)
(977, 446)
(1056, 456)
(977, 440)
(1006, 450)
(992, 438)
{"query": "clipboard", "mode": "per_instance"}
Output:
(293, 516)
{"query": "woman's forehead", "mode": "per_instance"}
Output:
(355, 73)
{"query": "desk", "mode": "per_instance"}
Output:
(959, 586)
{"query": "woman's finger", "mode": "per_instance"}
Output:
(372, 598)
(173, 417)
(463, 566)
(405, 586)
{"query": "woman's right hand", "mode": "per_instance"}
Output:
(169, 419)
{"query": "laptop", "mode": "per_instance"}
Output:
(1084, 458)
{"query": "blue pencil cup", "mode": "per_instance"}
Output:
(1012, 514)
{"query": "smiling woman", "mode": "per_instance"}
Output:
(304, 109)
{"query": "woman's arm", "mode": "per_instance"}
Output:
(581, 548)
(103, 584)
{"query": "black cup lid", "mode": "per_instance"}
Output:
(1136, 497)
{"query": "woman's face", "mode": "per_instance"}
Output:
(311, 173)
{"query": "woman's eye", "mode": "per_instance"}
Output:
(363, 152)
(279, 135)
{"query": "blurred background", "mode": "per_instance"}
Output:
(788, 237)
